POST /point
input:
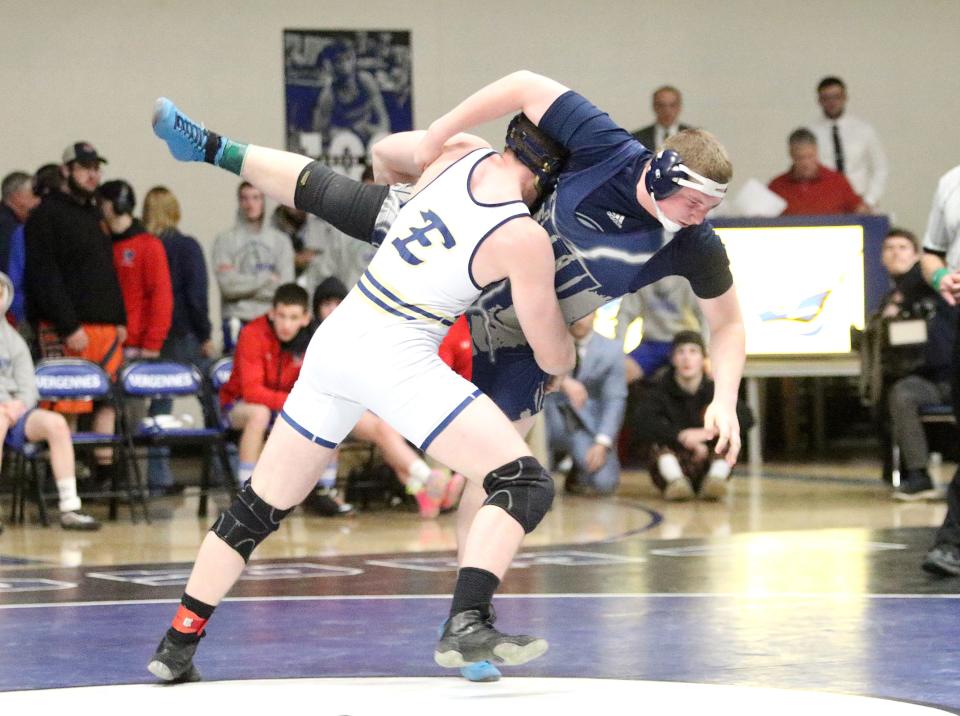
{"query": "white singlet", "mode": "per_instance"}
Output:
(378, 350)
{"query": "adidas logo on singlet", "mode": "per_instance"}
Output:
(616, 218)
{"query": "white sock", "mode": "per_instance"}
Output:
(419, 472)
(719, 469)
(245, 471)
(67, 492)
(669, 467)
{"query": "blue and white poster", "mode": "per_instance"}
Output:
(344, 90)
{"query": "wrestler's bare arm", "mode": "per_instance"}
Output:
(519, 91)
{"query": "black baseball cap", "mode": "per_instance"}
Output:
(82, 152)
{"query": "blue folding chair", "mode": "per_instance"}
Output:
(156, 379)
(73, 379)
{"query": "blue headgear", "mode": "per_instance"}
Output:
(668, 174)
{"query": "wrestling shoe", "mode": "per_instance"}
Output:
(480, 672)
(173, 661)
(943, 560)
(77, 520)
(469, 637)
(186, 140)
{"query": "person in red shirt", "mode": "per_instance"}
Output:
(141, 265)
(809, 187)
(266, 364)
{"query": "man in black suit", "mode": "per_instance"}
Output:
(667, 103)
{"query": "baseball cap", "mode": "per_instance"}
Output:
(82, 152)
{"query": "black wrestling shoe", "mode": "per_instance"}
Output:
(943, 560)
(469, 637)
(173, 661)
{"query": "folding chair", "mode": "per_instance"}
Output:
(153, 379)
(62, 379)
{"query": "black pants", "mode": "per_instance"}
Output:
(949, 532)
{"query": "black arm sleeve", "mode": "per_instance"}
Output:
(349, 205)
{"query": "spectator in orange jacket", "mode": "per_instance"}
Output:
(141, 265)
(266, 364)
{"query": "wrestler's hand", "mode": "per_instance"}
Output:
(14, 409)
(723, 419)
(77, 341)
(950, 288)
(596, 456)
(575, 391)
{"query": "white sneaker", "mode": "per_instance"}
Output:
(77, 520)
(713, 488)
(678, 490)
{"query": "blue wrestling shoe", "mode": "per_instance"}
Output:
(186, 139)
(481, 671)
(478, 671)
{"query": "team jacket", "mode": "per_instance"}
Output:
(263, 372)
(141, 265)
(70, 278)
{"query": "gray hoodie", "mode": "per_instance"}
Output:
(250, 263)
(17, 381)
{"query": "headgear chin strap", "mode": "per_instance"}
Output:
(668, 174)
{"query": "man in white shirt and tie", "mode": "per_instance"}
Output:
(848, 144)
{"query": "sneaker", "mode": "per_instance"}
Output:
(943, 560)
(916, 485)
(326, 503)
(431, 496)
(469, 637)
(173, 661)
(480, 672)
(713, 488)
(679, 490)
(454, 489)
(77, 520)
(186, 139)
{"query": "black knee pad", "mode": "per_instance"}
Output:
(523, 489)
(347, 204)
(248, 522)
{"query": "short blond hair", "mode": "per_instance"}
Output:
(703, 153)
(161, 210)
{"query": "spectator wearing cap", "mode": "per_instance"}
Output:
(17, 200)
(73, 294)
(670, 418)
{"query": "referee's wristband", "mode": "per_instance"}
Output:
(938, 277)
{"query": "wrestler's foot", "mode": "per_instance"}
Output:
(173, 661)
(480, 671)
(186, 139)
(431, 496)
(470, 637)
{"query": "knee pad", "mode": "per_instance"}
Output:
(248, 522)
(349, 205)
(523, 489)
